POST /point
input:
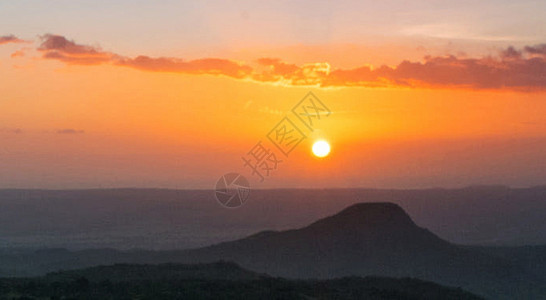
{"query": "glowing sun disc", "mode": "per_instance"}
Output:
(321, 148)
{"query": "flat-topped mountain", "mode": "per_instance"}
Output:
(362, 240)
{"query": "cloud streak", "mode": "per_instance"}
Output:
(70, 131)
(11, 130)
(59, 48)
(211, 66)
(514, 69)
(6, 39)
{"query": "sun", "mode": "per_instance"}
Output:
(321, 148)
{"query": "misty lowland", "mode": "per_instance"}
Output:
(482, 242)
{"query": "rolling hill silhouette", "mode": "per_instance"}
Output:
(220, 280)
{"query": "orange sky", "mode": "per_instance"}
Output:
(75, 114)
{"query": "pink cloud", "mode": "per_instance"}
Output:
(213, 66)
(59, 48)
(10, 39)
(515, 69)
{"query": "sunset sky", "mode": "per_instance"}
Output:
(173, 93)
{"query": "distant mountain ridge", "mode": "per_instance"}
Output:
(161, 219)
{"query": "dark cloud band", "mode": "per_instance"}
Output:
(515, 69)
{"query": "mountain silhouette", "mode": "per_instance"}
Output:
(365, 239)
(362, 240)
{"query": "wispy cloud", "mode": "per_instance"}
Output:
(59, 48)
(515, 69)
(213, 66)
(512, 69)
(5, 39)
(19, 53)
(70, 131)
(11, 130)
(453, 31)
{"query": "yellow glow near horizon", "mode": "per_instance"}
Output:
(321, 148)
